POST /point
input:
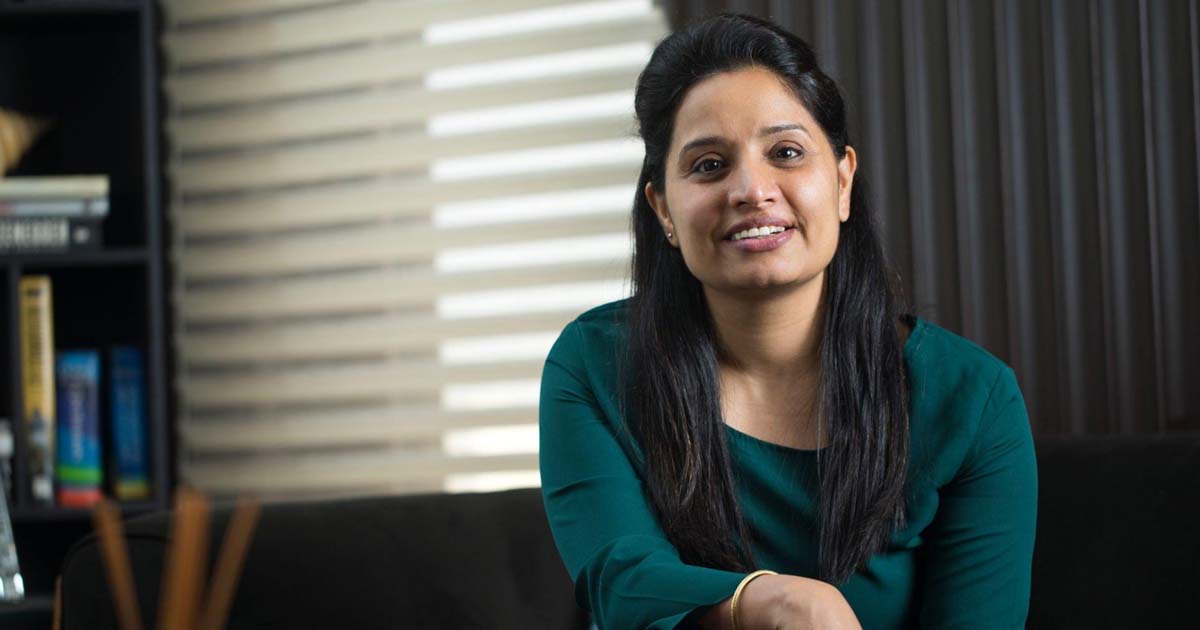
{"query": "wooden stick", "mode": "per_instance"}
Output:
(56, 622)
(116, 559)
(186, 562)
(229, 564)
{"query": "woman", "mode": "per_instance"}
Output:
(758, 403)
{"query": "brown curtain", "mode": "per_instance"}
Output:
(1035, 168)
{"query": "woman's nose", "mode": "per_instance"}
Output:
(751, 184)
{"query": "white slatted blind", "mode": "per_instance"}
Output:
(382, 214)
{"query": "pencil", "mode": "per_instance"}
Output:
(229, 564)
(116, 560)
(186, 562)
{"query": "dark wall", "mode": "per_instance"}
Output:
(1034, 164)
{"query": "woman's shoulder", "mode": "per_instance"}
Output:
(605, 318)
(958, 389)
(942, 354)
(595, 327)
(591, 339)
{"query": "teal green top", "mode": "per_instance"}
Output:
(962, 561)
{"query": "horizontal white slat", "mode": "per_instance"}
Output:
(367, 111)
(361, 157)
(366, 336)
(388, 63)
(359, 382)
(363, 291)
(383, 244)
(358, 201)
(323, 27)
(374, 425)
(338, 470)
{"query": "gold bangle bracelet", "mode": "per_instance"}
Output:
(733, 603)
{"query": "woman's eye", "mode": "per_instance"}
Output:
(709, 165)
(788, 153)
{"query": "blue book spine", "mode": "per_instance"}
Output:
(79, 472)
(129, 423)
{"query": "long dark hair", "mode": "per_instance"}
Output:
(673, 388)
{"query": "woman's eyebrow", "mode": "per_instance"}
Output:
(701, 142)
(774, 129)
(765, 131)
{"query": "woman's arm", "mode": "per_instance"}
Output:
(979, 549)
(625, 570)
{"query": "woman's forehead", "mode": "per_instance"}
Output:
(739, 102)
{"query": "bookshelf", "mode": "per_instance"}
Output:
(93, 65)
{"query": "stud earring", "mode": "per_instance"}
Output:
(669, 235)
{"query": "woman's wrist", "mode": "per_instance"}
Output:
(756, 606)
(776, 601)
(737, 594)
(756, 598)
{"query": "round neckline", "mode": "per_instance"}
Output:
(772, 445)
(909, 350)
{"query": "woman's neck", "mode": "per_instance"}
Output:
(771, 340)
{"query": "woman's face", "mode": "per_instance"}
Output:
(745, 152)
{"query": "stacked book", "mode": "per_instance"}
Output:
(52, 214)
(70, 462)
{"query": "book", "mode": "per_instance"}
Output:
(28, 188)
(78, 468)
(49, 234)
(94, 207)
(127, 396)
(37, 382)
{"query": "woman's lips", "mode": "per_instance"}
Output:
(762, 243)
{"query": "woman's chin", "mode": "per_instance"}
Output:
(764, 285)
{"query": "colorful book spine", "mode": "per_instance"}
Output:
(79, 468)
(127, 397)
(37, 380)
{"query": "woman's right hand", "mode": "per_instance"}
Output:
(790, 602)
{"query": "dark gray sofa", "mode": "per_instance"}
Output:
(1117, 547)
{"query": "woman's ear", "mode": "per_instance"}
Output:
(659, 204)
(846, 168)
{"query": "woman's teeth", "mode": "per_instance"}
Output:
(757, 232)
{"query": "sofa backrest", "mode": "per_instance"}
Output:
(417, 561)
(1117, 540)
(1116, 548)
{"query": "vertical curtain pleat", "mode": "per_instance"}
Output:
(1171, 135)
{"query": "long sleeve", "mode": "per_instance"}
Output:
(625, 570)
(980, 544)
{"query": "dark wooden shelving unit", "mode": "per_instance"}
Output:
(93, 65)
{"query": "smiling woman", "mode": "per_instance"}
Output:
(758, 157)
(760, 437)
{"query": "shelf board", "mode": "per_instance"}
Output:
(31, 604)
(33, 7)
(53, 513)
(100, 258)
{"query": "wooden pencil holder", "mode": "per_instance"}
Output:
(186, 601)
